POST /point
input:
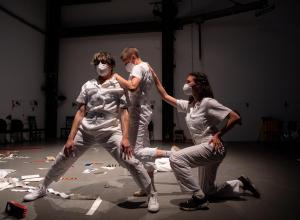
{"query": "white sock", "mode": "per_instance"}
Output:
(198, 194)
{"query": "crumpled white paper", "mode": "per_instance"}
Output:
(163, 164)
(61, 194)
(15, 184)
(90, 170)
(5, 172)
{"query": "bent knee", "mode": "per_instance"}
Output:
(175, 158)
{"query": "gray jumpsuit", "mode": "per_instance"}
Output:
(140, 116)
(201, 121)
(101, 126)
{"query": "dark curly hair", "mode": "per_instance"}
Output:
(202, 85)
(103, 57)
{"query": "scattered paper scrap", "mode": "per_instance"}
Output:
(50, 158)
(108, 167)
(72, 196)
(30, 176)
(90, 170)
(12, 155)
(100, 172)
(38, 179)
(20, 190)
(113, 184)
(61, 194)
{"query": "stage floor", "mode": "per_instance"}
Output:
(273, 168)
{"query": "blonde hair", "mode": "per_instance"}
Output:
(128, 51)
(103, 57)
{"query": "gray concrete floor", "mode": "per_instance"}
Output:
(273, 168)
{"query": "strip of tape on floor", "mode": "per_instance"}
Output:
(95, 206)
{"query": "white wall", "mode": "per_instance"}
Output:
(186, 61)
(75, 68)
(248, 60)
(21, 63)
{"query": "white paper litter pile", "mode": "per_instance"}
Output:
(5, 172)
(43, 168)
(16, 184)
(14, 156)
(163, 165)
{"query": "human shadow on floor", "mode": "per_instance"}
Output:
(176, 202)
(133, 204)
(170, 194)
(212, 199)
(216, 199)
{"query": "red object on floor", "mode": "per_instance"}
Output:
(68, 178)
(16, 209)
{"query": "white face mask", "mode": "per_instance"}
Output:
(187, 89)
(129, 67)
(103, 69)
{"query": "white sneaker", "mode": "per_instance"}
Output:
(139, 193)
(174, 148)
(38, 193)
(153, 205)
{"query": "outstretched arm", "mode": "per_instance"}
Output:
(164, 95)
(131, 84)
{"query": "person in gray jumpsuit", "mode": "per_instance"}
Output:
(203, 114)
(102, 118)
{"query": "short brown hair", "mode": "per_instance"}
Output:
(103, 57)
(128, 51)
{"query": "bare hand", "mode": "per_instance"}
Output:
(116, 75)
(216, 142)
(69, 147)
(126, 149)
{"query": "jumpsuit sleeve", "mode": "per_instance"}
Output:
(137, 72)
(82, 97)
(216, 110)
(124, 100)
(182, 105)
